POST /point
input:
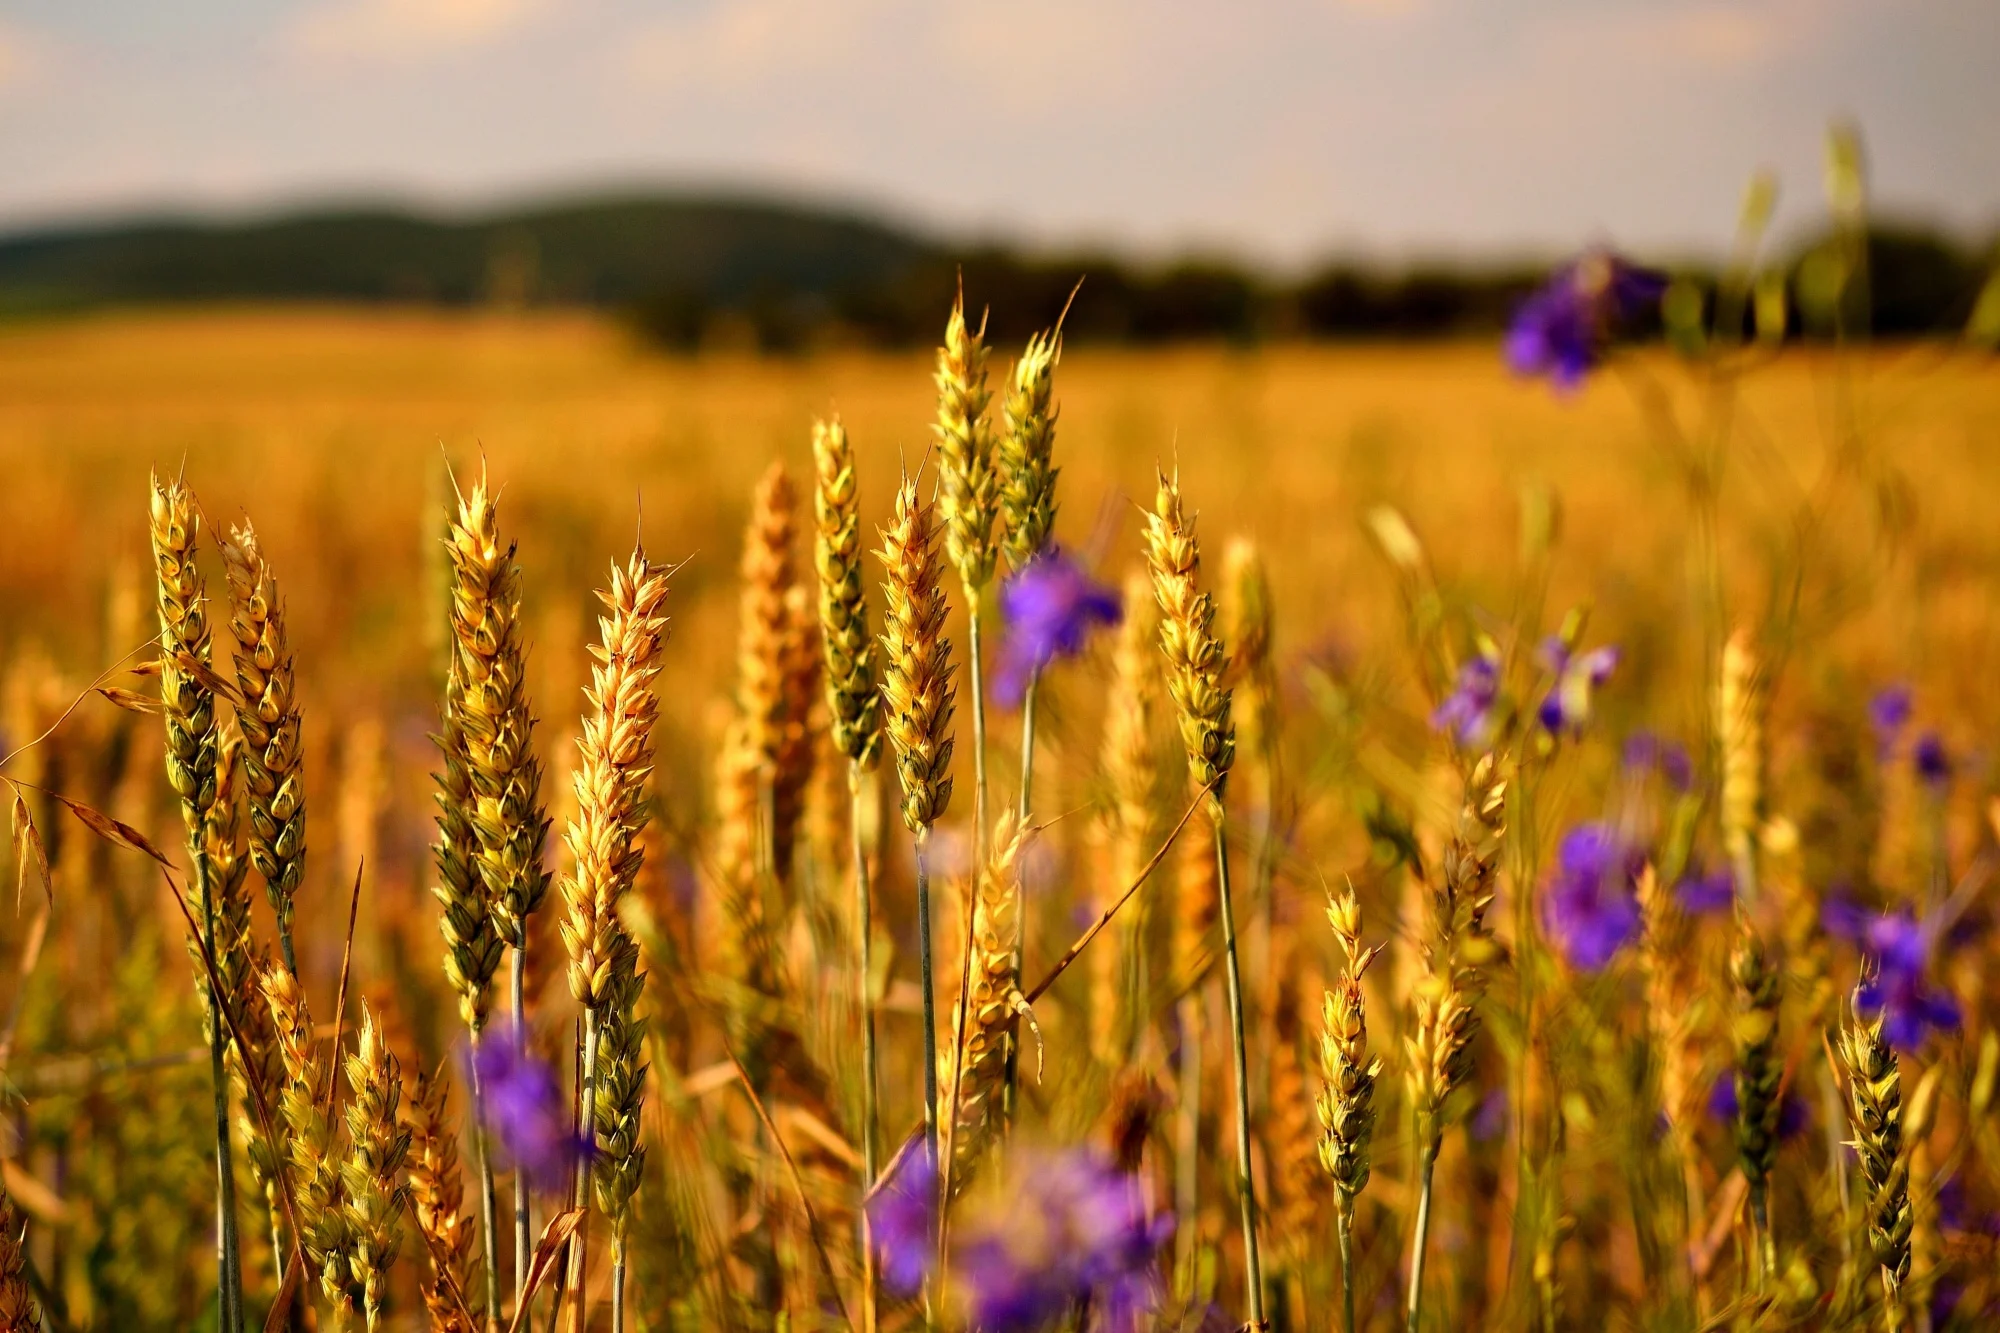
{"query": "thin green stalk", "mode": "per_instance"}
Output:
(1247, 1186)
(1416, 1307)
(524, 1241)
(489, 1211)
(228, 1247)
(977, 662)
(1011, 1075)
(1187, 1152)
(1760, 1223)
(864, 962)
(1343, 1220)
(924, 961)
(618, 1281)
(586, 1133)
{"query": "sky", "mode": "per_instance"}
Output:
(1278, 130)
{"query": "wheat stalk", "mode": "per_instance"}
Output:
(854, 708)
(269, 718)
(192, 739)
(917, 700)
(614, 757)
(1195, 666)
(1025, 452)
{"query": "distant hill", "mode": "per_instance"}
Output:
(688, 271)
(599, 252)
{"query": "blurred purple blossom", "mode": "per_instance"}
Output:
(1901, 949)
(1070, 1228)
(1578, 676)
(521, 1104)
(1888, 713)
(1562, 330)
(1703, 892)
(1932, 762)
(1466, 715)
(1722, 1106)
(903, 1214)
(1649, 752)
(1050, 608)
(1590, 907)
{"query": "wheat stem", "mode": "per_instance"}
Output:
(1419, 1243)
(489, 1221)
(524, 1236)
(864, 972)
(1232, 975)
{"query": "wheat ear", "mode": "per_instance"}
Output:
(437, 1202)
(1759, 1079)
(854, 708)
(1346, 1103)
(1195, 667)
(372, 1175)
(990, 1009)
(917, 701)
(18, 1311)
(312, 1148)
(1875, 1115)
(1131, 759)
(1446, 999)
(614, 757)
(1739, 730)
(274, 766)
(192, 739)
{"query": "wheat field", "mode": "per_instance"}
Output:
(1854, 549)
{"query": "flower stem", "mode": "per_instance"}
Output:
(975, 658)
(489, 1211)
(1416, 1306)
(524, 1242)
(1247, 1188)
(1011, 1076)
(864, 973)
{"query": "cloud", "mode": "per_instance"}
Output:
(405, 31)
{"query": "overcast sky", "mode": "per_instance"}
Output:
(1276, 128)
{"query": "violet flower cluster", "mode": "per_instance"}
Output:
(521, 1105)
(1050, 608)
(1071, 1231)
(1562, 331)
(1590, 902)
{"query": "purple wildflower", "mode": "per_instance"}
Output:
(1888, 713)
(1647, 751)
(1842, 917)
(1590, 905)
(1562, 330)
(903, 1217)
(1705, 892)
(1932, 762)
(1900, 948)
(1072, 1228)
(522, 1105)
(1722, 1106)
(1578, 676)
(1467, 713)
(1050, 607)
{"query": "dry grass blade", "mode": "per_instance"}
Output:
(340, 996)
(130, 700)
(548, 1253)
(112, 830)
